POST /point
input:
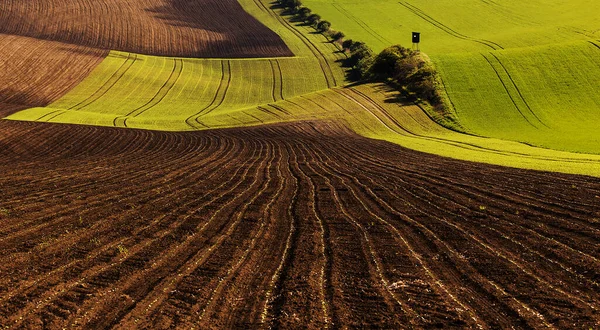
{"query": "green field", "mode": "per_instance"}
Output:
(522, 71)
(369, 111)
(149, 92)
(166, 93)
(502, 97)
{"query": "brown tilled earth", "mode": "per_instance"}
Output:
(47, 47)
(292, 226)
(189, 28)
(287, 226)
(35, 72)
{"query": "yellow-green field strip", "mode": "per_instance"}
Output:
(521, 71)
(179, 94)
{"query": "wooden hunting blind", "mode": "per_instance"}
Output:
(416, 39)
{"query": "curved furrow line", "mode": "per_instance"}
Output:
(563, 222)
(415, 10)
(325, 270)
(265, 213)
(148, 27)
(406, 284)
(109, 84)
(499, 254)
(110, 179)
(512, 99)
(191, 278)
(550, 204)
(290, 278)
(218, 99)
(560, 198)
(50, 115)
(96, 274)
(269, 112)
(521, 187)
(242, 302)
(510, 257)
(271, 309)
(219, 95)
(257, 120)
(455, 269)
(120, 176)
(164, 90)
(322, 59)
(277, 80)
(361, 23)
(51, 217)
(542, 300)
(376, 268)
(398, 128)
(149, 285)
(293, 290)
(518, 90)
(496, 221)
(147, 230)
(543, 208)
(457, 192)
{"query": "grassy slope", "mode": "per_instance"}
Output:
(529, 74)
(373, 111)
(255, 97)
(166, 93)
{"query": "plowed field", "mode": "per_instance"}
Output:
(284, 225)
(37, 72)
(196, 28)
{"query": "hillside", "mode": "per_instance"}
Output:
(529, 74)
(143, 191)
(48, 47)
(199, 28)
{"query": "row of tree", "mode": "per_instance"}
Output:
(306, 15)
(405, 69)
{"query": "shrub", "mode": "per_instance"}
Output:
(323, 26)
(347, 43)
(313, 19)
(303, 13)
(337, 36)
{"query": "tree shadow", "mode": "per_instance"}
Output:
(16, 98)
(239, 33)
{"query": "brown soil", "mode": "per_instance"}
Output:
(36, 72)
(189, 28)
(292, 226)
(48, 47)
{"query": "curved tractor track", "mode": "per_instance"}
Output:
(290, 225)
(184, 28)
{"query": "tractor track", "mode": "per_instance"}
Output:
(283, 226)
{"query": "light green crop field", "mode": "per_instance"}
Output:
(149, 92)
(526, 71)
(371, 110)
(175, 94)
(165, 93)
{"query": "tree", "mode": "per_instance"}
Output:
(337, 36)
(357, 45)
(313, 19)
(292, 3)
(347, 43)
(391, 62)
(303, 13)
(323, 26)
(358, 54)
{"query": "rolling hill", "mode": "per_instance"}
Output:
(529, 74)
